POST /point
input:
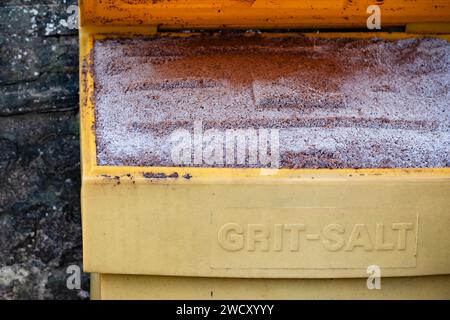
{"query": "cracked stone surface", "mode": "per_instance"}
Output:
(40, 224)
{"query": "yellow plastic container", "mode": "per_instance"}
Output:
(199, 235)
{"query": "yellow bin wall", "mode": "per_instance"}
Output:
(205, 232)
(126, 287)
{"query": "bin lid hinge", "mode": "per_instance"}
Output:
(429, 28)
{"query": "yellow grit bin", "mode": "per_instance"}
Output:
(224, 233)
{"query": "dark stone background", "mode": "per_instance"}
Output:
(40, 224)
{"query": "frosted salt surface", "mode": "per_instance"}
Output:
(337, 103)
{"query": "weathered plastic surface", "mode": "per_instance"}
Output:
(113, 287)
(260, 13)
(252, 223)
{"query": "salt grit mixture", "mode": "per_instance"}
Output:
(338, 103)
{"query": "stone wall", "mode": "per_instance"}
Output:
(40, 227)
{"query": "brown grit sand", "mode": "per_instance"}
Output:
(338, 103)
